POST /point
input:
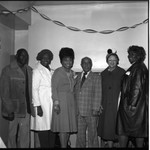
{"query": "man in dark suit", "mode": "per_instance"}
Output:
(88, 98)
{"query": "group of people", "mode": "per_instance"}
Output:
(109, 106)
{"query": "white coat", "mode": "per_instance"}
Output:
(41, 96)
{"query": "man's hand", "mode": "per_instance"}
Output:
(95, 113)
(101, 109)
(10, 117)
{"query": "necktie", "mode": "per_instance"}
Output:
(83, 78)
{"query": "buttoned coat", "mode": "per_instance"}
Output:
(41, 89)
(89, 96)
(111, 83)
(13, 89)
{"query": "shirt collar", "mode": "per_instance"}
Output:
(86, 74)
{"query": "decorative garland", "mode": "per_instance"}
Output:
(5, 12)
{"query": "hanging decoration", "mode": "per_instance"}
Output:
(6, 12)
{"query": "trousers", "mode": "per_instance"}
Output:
(19, 132)
(88, 123)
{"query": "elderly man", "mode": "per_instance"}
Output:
(88, 97)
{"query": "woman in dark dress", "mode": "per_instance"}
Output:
(132, 117)
(111, 82)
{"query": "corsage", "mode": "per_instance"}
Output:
(128, 73)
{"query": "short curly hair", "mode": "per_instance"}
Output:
(66, 52)
(43, 52)
(139, 51)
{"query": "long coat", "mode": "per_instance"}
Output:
(134, 93)
(13, 90)
(41, 89)
(111, 84)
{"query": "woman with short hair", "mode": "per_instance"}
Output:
(111, 84)
(132, 119)
(42, 101)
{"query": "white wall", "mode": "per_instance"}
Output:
(21, 40)
(6, 45)
(46, 34)
(6, 49)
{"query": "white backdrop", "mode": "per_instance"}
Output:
(45, 34)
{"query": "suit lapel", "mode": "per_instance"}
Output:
(87, 80)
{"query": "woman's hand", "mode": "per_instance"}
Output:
(131, 108)
(57, 108)
(39, 111)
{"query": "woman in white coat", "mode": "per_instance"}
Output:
(42, 101)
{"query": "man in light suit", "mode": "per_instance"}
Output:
(88, 98)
